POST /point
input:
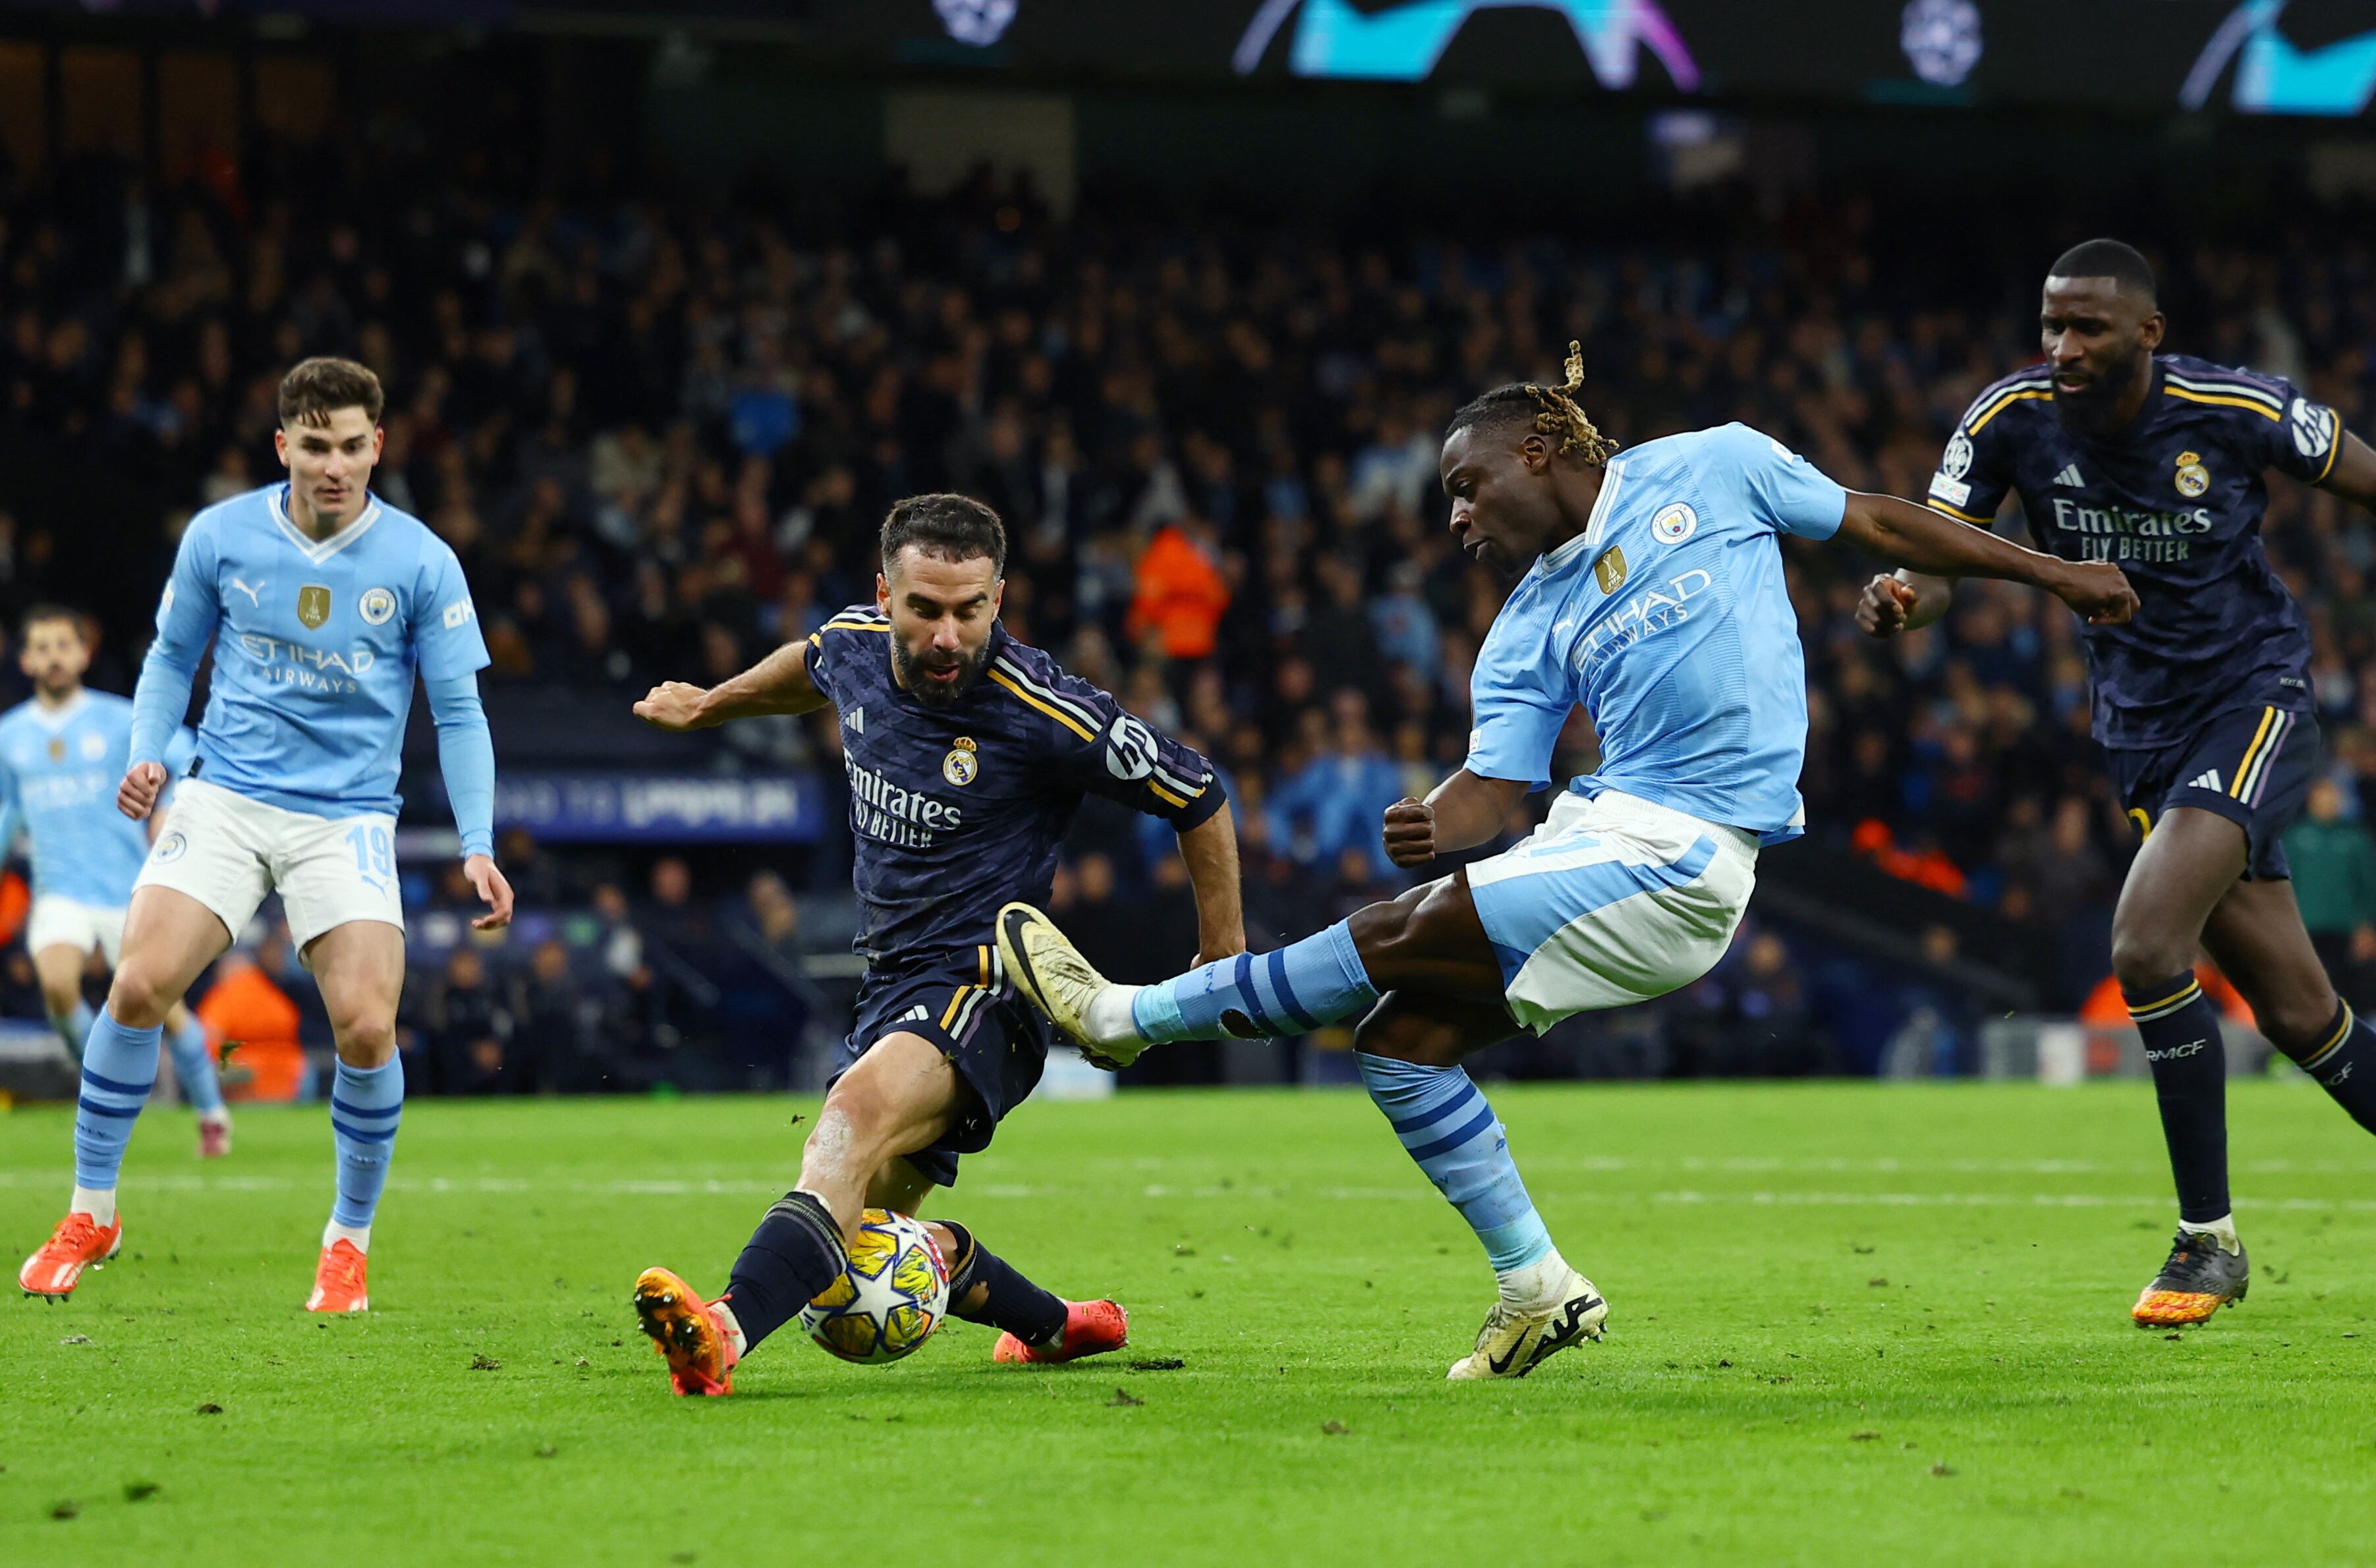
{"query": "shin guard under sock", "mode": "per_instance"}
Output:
(2189, 1071)
(794, 1254)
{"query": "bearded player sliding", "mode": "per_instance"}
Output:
(2155, 461)
(968, 754)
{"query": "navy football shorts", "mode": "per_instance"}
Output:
(2253, 766)
(964, 1003)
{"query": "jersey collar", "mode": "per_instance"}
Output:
(62, 714)
(1594, 525)
(320, 550)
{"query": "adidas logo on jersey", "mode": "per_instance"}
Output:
(2206, 781)
(855, 720)
(2070, 475)
(915, 1015)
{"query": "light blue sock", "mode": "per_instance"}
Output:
(119, 1067)
(1448, 1128)
(73, 1028)
(194, 1065)
(1291, 992)
(366, 1105)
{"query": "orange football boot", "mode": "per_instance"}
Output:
(688, 1332)
(77, 1243)
(339, 1280)
(1091, 1328)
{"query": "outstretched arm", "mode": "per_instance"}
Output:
(1906, 535)
(778, 683)
(1211, 849)
(1459, 814)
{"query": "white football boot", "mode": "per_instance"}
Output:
(1054, 977)
(1515, 1342)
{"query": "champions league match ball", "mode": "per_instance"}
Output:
(894, 1295)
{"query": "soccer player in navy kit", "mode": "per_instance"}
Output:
(2155, 462)
(968, 754)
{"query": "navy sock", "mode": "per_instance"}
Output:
(2189, 1071)
(794, 1254)
(2344, 1066)
(1012, 1302)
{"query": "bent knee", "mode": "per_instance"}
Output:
(2298, 1023)
(2144, 958)
(138, 998)
(363, 1032)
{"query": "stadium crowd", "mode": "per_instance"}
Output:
(660, 436)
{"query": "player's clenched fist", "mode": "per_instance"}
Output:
(675, 705)
(1888, 601)
(137, 796)
(2099, 591)
(1410, 831)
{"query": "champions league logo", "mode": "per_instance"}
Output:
(979, 22)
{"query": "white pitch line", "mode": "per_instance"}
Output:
(513, 1186)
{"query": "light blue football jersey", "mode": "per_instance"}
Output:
(1667, 621)
(316, 644)
(58, 774)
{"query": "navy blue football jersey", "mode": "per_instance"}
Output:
(958, 810)
(2175, 501)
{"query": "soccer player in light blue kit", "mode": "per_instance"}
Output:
(62, 752)
(1653, 597)
(323, 605)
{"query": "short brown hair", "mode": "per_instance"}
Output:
(38, 613)
(316, 388)
(955, 528)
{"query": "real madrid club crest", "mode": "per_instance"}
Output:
(2193, 479)
(313, 605)
(960, 764)
(1609, 569)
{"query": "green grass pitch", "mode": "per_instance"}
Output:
(1850, 1324)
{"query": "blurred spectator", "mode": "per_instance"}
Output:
(1180, 596)
(467, 1031)
(2335, 882)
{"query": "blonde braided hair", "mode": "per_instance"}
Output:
(1563, 417)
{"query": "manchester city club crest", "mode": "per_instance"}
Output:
(1675, 524)
(1609, 569)
(375, 606)
(960, 766)
(169, 849)
(312, 606)
(2193, 479)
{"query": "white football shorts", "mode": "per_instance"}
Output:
(227, 851)
(62, 922)
(1612, 900)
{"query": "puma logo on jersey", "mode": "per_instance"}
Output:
(2070, 475)
(251, 592)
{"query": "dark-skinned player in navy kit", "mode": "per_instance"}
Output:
(2155, 462)
(968, 754)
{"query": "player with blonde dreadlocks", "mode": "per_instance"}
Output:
(1653, 597)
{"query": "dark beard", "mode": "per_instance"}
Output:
(2091, 414)
(929, 692)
